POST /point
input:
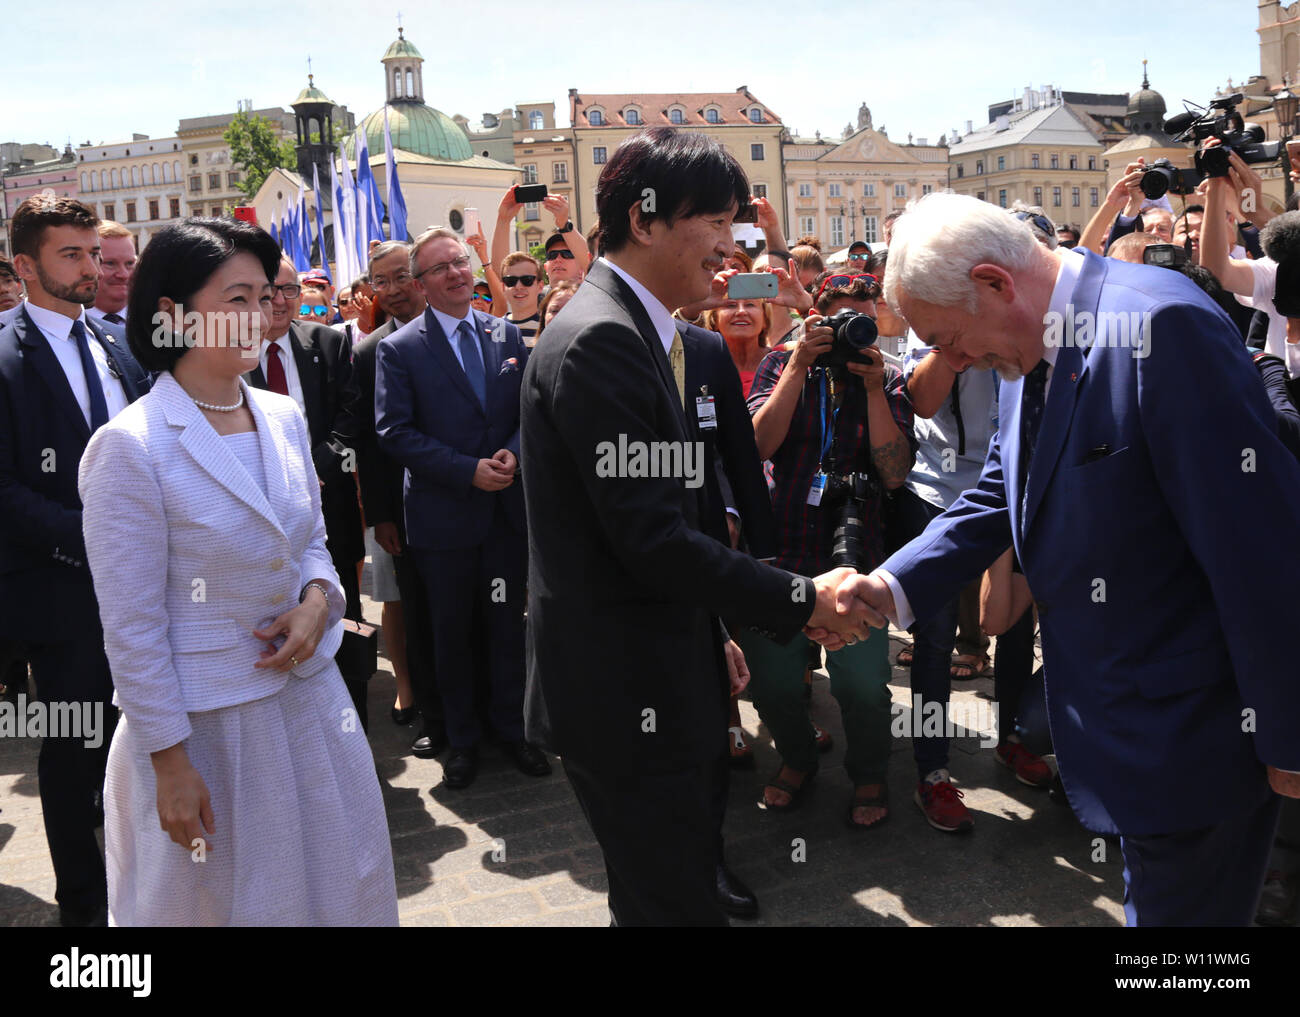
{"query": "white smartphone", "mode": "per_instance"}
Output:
(752, 286)
(471, 222)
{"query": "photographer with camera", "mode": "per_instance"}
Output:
(833, 419)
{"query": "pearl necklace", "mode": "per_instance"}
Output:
(221, 409)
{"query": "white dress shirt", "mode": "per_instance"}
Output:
(290, 367)
(660, 317)
(98, 315)
(1067, 275)
(449, 326)
(57, 330)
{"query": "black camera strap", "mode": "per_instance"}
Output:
(956, 412)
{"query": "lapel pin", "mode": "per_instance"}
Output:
(1073, 376)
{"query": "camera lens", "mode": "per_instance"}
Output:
(1155, 182)
(860, 331)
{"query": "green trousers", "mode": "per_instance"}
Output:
(859, 683)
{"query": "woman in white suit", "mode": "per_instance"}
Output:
(240, 787)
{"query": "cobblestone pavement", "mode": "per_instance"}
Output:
(514, 850)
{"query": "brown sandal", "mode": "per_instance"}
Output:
(879, 801)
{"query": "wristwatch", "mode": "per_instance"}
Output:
(566, 228)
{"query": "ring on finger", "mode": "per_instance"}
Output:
(293, 660)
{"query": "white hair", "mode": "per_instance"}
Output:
(941, 237)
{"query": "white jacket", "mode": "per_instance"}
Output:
(188, 556)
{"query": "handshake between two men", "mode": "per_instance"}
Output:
(848, 606)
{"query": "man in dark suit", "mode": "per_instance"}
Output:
(313, 364)
(1123, 461)
(628, 666)
(447, 409)
(61, 377)
(400, 297)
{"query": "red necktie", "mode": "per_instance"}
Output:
(275, 378)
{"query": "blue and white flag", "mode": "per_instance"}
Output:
(320, 225)
(345, 252)
(348, 210)
(366, 187)
(396, 203)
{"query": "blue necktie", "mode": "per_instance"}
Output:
(1032, 404)
(98, 407)
(470, 360)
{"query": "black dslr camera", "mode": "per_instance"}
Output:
(1164, 255)
(1163, 177)
(855, 333)
(846, 495)
(1222, 120)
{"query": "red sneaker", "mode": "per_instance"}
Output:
(1028, 768)
(940, 802)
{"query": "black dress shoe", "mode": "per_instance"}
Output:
(84, 918)
(429, 744)
(735, 897)
(530, 760)
(461, 768)
(403, 717)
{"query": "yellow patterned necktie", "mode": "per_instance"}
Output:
(677, 360)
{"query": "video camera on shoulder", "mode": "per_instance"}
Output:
(1222, 120)
(854, 334)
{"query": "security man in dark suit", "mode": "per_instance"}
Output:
(61, 377)
(312, 363)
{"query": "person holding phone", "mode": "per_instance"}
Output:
(567, 256)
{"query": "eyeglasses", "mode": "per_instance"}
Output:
(438, 271)
(519, 280)
(564, 253)
(344, 301)
(398, 280)
(836, 281)
(313, 309)
(289, 291)
(1040, 221)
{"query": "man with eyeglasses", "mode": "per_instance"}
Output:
(312, 364)
(447, 409)
(523, 282)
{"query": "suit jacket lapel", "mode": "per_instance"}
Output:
(111, 350)
(694, 379)
(49, 369)
(307, 359)
(488, 328)
(210, 452)
(440, 348)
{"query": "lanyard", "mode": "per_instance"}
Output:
(828, 436)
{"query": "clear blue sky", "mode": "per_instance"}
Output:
(923, 68)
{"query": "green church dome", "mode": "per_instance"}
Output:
(401, 47)
(416, 128)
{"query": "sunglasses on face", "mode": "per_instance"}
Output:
(836, 281)
(485, 297)
(519, 280)
(1037, 220)
(344, 301)
(313, 309)
(859, 256)
(566, 254)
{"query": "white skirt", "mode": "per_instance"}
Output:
(300, 838)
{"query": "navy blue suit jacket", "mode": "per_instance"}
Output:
(429, 420)
(1170, 669)
(45, 587)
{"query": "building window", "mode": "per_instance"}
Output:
(979, 167)
(961, 171)
(531, 212)
(1055, 161)
(805, 190)
(1056, 197)
(806, 224)
(756, 152)
(927, 188)
(1092, 162)
(869, 228)
(711, 116)
(108, 211)
(232, 179)
(675, 117)
(196, 184)
(530, 172)
(755, 116)
(834, 190)
(1074, 162)
(196, 210)
(1034, 160)
(130, 211)
(174, 208)
(535, 120)
(116, 184)
(900, 190)
(216, 211)
(1038, 196)
(1002, 162)
(980, 195)
(1002, 197)
(1092, 196)
(632, 117)
(1074, 196)
(214, 181)
(397, 83)
(153, 208)
(560, 173)
(176, 171)
(760, 190)
(194, 158)
(598, 154)
(837, 230)
(135, 176)
(868, 190)
(596, 118)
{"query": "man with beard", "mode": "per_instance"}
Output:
(61, 377)
(407, 634)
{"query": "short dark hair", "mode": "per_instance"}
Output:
(688, 175)
(1067, 228)
(177, 263)
(1185, 212)
(859, 289)
(1280, 237)
(877, 262)
(8, 271)
(40, 211)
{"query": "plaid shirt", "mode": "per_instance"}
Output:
(805, 533)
